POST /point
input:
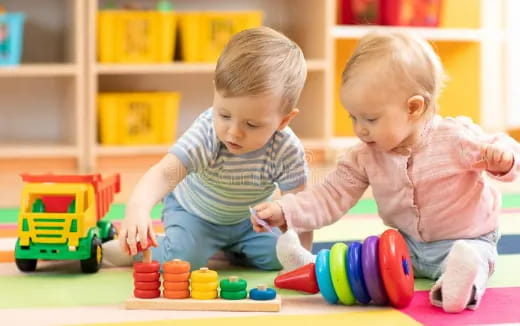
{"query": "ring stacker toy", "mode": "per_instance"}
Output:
(378, 271)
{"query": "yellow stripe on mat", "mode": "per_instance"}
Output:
(390, 317)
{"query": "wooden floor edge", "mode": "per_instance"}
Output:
(204, 305)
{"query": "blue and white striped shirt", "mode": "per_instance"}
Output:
(220, 186)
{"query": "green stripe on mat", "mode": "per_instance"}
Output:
(511, 201)
(57, 288)
(364, 206)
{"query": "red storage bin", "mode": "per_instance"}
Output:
(390, 12)
(411, 12)
(359, 12)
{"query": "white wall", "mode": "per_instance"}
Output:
(512, 57)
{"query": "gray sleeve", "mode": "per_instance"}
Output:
(196, 148)
(292, 170)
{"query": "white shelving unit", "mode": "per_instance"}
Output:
(43, 99)
(432, 34)
(40, 70)
(194, 80)
(48, 112)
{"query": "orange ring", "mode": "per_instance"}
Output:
(140, 267)
(140, 285)
(176, 266)
(176, 277)
(176, 286)
(172, 294)
(146, 277)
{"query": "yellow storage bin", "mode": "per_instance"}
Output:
(203, 35)
(138, 118)
(136, 36)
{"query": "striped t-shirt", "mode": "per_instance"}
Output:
(220, 186)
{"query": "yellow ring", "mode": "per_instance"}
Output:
(204, 276)
(204, 295)
(204, 286)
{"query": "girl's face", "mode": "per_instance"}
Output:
(383, 118)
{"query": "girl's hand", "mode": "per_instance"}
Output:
(495, 159)
(136, 230)
(271, 213)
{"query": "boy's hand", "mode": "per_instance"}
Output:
(495, 159)
(271, 213)
(134, 231)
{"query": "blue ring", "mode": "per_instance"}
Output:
(323, 276)
(355, 273)
(267, 294)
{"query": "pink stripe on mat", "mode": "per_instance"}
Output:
(498, 306)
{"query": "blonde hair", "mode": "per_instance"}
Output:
(410, 61)
(260, 61)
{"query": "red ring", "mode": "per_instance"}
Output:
(140, 285)
(147, 294)
(396, 268)
(140, 267)
(146, 277)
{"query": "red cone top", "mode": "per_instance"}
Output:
(301, 279)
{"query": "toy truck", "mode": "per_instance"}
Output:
(61, 219)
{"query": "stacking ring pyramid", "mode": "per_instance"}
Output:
(378, 271)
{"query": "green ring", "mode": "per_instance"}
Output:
(227, 285)
(233, 295)
(338, 273)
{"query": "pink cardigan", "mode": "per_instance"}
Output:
(430, 193)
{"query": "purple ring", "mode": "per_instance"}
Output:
(371, 271)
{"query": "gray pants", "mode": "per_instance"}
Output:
(428, 257)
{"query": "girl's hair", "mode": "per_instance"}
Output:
(409, 62)
(260, 61)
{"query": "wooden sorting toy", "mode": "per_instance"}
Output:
(204, 290)
(378, 271)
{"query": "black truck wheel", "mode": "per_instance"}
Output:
(26, 265)
(92, 264)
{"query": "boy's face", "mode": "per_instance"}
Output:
(245, 124)
(380, 115)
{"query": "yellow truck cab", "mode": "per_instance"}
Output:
(61, 219)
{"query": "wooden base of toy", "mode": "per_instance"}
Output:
(204, 305)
